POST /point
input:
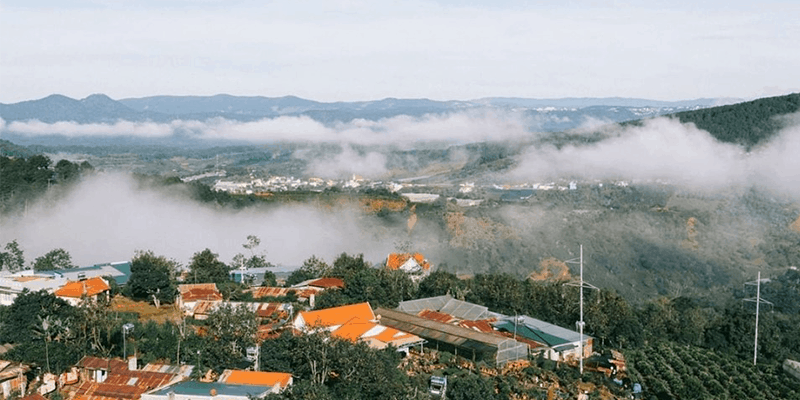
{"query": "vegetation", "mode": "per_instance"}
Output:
(26, 179)
(152, 278)
(747, 124)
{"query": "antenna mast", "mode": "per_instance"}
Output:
(758, 302)
(581, 284)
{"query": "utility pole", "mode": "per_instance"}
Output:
(581, 285)
(758, 302)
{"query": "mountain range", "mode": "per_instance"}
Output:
(545, 114)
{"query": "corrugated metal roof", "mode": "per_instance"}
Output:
(436, 316)
(455, 335)
(327, 283)
(430, 303)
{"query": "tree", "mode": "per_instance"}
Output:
(241, 261)
(13, 258)
(54, 259)
(43, 327)
(312, 268)
(229, 332)
(152, 278)
(207, 268)
(66, 171)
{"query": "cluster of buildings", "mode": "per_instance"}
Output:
(68, 284)
(443, 322)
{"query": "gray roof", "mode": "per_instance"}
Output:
(448, 305)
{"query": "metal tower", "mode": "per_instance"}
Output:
(581, 284)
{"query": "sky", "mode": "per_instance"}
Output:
(364, 50)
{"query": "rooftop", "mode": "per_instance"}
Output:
(89, 287)
(194, 388)
(258, 378)
(337, 315)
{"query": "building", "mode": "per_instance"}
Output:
(250, 276)
(13, 379)
(11, 285)
(356, 323)
(331, 319)
(75, 292)
(415, 265)
(193, 390)
(103, 379)
(310, 288)
(190, 294)
(555, 342)
(277, 380)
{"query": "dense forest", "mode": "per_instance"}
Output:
(747, 124)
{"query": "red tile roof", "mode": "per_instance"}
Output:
(89, 287)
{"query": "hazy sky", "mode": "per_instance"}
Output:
(360, 50)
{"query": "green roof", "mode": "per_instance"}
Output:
(194, 388)
(532, 334)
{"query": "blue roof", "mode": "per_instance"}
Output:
(120, 271)
(194, 388)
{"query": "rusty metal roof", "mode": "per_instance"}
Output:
(447, 333)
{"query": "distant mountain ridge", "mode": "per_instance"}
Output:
(548, 114)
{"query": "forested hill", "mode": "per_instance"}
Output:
(12, 150)
(748, 123)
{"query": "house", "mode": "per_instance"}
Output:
(309, 288)
(355, 322)
(377, 336)
(277, 380)
(460, 340)
(190, 294)
(193, 390)
(74, 292)
(13, 378)
(103, 379)
(332, 318)
(415, 265)
(555, 342)
(11, 285)
(119, 271)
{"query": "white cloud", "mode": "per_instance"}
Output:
(464, 127)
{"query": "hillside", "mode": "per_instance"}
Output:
(748, 124)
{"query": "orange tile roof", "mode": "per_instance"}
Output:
(337, 315)
(239, 377)
(396, 260)
(353, 330)
(375, 335)
(88, 287)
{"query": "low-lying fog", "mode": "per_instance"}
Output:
(108, 216)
